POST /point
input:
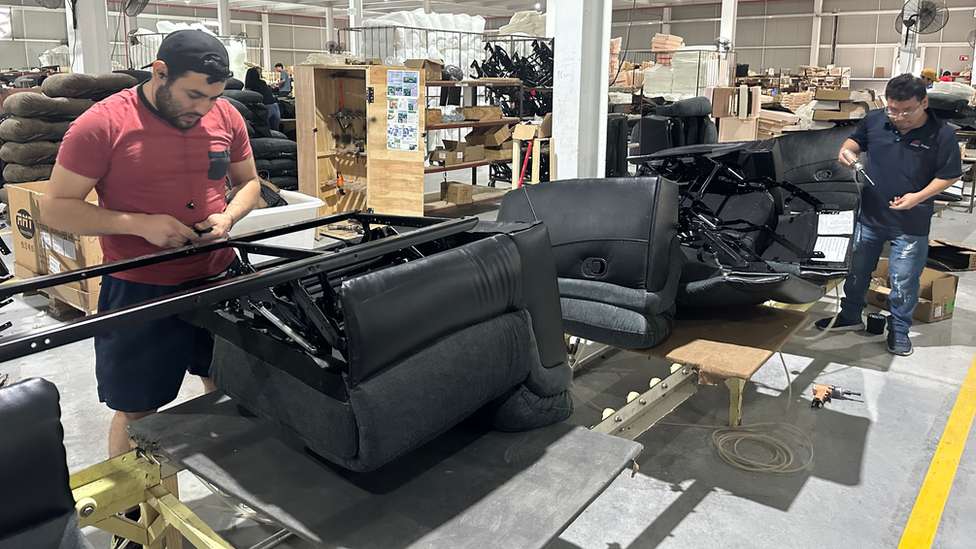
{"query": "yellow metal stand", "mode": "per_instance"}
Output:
(105, 490)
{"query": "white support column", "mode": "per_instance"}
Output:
(132, 23)
(582, 64)
(550, 18)
(973, 58)
(223, 17)
(666, 20)
(355, 21)
(815, 33)
(330, 24)
(427, 8)
(266, 41)
(726, 30)
(91, 51)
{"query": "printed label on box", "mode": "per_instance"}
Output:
(938, 311)
(45, 240)
(57, 245)
(53, 265)
(69, 249)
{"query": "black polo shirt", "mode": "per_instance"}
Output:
(901, 164)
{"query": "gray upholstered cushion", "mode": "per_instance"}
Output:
(38, 105)
(15, 173)
(88, 86)
(25, 130)
(60, 532)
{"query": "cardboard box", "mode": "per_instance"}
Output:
(430, 67)
(86, 302)
(545, 129)
(524, 131)
(879, 72)
(951, 256)
(453, 145)
(432, 116)
(731, 130)
(499, 153)
(482, 113)
(448, 158)
(459, 194)
(937, 294)
(847, 111)
(446, 185)
(489, 136)
(474, 153)
(845, 95)
(41, 250)
(741, 102)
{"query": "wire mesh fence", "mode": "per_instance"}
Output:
(140, 50)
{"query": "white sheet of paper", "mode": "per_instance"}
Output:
(834, 248)
(53, 265)
(69, 249)
(45, 240)
(57, 244)
(836, 223)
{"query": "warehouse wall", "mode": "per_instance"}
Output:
(36, 29)
(777, 34)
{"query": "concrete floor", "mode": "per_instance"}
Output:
(870, 456)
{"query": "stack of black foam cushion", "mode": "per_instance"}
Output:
(275, 156)
(32, 135)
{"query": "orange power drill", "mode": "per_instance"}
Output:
(340, 184)
(822, 394)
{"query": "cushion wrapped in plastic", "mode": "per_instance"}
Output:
(38, 105)
(29, 154)
(428, 343)
(25, 130)
(86, 86)
(617, 256)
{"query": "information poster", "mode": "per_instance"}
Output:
(403, 110)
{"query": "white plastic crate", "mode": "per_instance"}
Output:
(301, 207)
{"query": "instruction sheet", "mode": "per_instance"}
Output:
(835, 223)
(403, 110)
(834, 248)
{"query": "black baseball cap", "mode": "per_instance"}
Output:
(190, 48)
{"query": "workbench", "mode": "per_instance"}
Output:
(469, 488)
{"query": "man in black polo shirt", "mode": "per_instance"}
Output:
(912, 157)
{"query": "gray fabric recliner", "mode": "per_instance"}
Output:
(618, 260)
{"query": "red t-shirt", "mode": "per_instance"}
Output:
(144, 164)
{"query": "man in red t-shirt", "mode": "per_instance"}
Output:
(157, 155)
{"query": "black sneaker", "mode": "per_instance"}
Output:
(841, 324)
(899, 344)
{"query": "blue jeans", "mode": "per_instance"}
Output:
(905, 265)
(274, 116)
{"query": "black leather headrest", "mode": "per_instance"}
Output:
(812, 156)
(33, 466)
(613, 230)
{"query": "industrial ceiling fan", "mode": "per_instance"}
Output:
(918, 17)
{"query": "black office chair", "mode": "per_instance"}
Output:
(37, 510)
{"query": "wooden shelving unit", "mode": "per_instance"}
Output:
(477, 164)
(392, 180)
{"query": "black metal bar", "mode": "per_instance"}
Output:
(38, 283)
(43, 339)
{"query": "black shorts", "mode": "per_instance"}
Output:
(141, 368)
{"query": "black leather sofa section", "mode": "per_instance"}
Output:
(430, 343)
(615, 246)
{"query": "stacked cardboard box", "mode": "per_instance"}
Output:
(615, 55)
(666, 42)
(40, 250)
(794, 101)
(776, 123)
(844, 104)
(737, 112)
(936, 296)
(495, 141)
(481, 114)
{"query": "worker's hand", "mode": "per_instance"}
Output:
(906, 202)
(166, 231)
(842, 160)
(219, 225)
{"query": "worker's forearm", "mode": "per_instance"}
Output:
(852, 145)
(245, 199)
(78, 217)
(936, 187)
